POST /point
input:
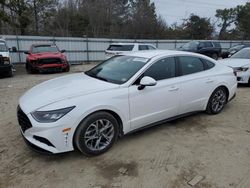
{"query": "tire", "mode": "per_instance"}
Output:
(217, 101)
(89, 133)
(10, 73)
(67, 69)
(248, 82)
(29, 69)
(215, 56)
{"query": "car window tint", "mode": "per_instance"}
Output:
(190, 65)
(151, 47)
(143, 47)
(217, 45)
(162, 69)
(120, 47)
(208, 64)
(208, 44)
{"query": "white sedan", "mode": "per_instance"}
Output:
(240, 62)
(89, 111)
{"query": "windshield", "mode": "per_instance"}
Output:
(237, 48)
(121, 47)
(242, 54)
(190, 45)
(118, 69)
(44, 48)
(3, 47)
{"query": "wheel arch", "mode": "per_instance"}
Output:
(113, 113)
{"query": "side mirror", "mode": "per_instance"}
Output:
(146, 81)
(26, 52)
(13, 49)
(62, 51)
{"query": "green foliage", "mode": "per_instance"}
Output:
(198, 28)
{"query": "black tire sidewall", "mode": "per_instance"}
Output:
(209, 109)
(215, 55)
(81, 129)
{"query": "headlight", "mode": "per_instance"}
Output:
(243, 69)
(50, 116)
(6, 60)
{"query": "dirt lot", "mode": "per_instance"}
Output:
(215, 147)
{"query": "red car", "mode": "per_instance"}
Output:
(46, 58)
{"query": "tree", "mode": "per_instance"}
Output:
(226, 17)
(242, 21)
(17, 14)
(198, 28)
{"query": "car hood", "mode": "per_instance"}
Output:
(234, 62)
(5, 54)
(46, 55)
(62, 88)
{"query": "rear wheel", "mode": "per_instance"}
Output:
(96, 134)
(217, 101)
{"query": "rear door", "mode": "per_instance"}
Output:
(197, 83)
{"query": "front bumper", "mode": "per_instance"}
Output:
(47, 138)
(243, 77)
(51, 68)
(5, 68)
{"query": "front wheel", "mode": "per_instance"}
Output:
(96, 134)
(10, 72)
(217, 101)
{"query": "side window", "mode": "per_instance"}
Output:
(190, 65)
(151, 47)
(208, 64)
(162, 69)
(208, 44)
(202, 45)
(143, 47)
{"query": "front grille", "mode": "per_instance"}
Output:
(23, 120)
(50, 61)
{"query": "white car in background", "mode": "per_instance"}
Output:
(89, 111)
(240, 62)
(121, 48)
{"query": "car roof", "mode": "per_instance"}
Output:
(154, 53)
(120, 43)
(43, 44)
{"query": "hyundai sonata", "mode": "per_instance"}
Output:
(89, 111)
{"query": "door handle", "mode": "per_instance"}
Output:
(209, 81)
(173, 88)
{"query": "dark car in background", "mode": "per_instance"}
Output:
(46, 58)
(6, 67)
(208, 48)
(231, 51)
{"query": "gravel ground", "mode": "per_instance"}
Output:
(170, 155)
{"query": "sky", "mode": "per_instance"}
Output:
(176, 10)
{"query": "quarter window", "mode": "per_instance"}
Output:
(162, 69)
(143, 47)
(190, 65)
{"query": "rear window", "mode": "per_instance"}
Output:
(217, 45)
(120, 47)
